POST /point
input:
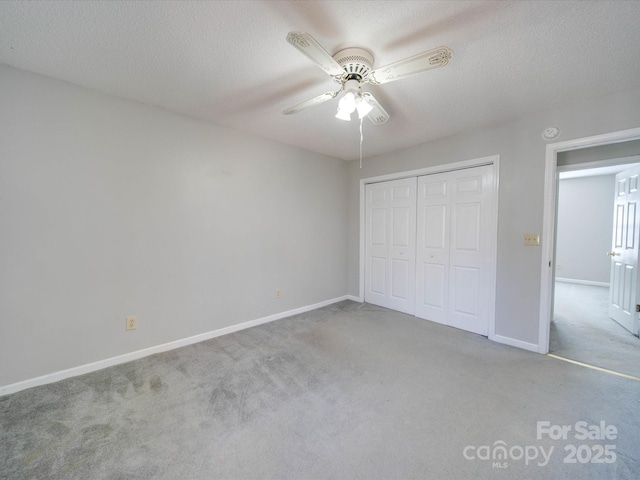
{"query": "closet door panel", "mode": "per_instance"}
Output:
(390, 244)
(470, 280)
(432, 254)
(453, 284)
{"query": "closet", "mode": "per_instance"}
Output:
(429, 246)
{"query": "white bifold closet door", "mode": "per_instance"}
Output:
(390, 244)
(428, 246)
(453, 282)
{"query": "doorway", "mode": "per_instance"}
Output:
(591, 145)
(582, 328)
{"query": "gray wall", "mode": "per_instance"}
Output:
(584, 228)
(522, 166)
(110, 208)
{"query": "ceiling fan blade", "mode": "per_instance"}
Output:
(437, 57)
(310, 103)
(377, 115)
(312, 49)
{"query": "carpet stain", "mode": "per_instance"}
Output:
(183, 368)
(58, 429)
(156, 384)
(32, 456)
(135, 379)
(97, 431)
(222, 398)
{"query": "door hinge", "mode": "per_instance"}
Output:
(638, 308)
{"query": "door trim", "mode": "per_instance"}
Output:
(493, 160)
(549, 219)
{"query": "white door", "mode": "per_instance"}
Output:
(390, 244)
(623, 290)
(454, 248)
(432, 247)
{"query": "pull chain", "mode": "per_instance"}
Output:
(360, 143)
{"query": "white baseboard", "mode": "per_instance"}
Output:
(582, 282)
(127, 357)
(354, 298)
(532, 347)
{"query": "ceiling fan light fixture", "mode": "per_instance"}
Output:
(343, 115)
(347, 103)
(363, 106)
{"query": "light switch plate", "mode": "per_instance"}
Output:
(532, 239)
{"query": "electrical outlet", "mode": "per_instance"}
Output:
(277, 293)
(132, 323)
(531, 240)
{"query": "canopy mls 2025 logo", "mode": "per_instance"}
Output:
(592, 450)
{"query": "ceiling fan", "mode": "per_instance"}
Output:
(352, 67)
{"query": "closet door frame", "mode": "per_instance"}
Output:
(492, 226)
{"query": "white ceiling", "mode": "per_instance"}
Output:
(228, 62)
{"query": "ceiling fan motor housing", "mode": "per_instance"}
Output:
(356, 62)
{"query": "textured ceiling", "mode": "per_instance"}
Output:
(228, 62)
